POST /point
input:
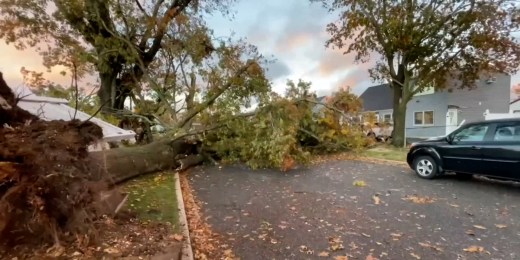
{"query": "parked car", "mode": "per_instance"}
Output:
(380, 132)
(490, 148)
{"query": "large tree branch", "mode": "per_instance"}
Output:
(148, 32)
(199, 108)
(175, 8)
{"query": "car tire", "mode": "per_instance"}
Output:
(463, 176)
(425, 167)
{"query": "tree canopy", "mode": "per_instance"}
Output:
(119, 39)
(419, 44)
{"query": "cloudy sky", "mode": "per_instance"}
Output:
(293, 32)
(290, 31)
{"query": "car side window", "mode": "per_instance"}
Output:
(475, 133)
(507, 132)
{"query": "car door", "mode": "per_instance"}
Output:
(463, 152)
(501, 157)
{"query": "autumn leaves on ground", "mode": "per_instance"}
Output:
(353, 209)
(212, 100)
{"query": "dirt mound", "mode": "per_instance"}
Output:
(46, 185)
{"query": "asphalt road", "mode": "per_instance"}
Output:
(326, 209)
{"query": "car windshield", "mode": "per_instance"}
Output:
(471, 134)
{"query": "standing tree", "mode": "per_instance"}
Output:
(119, 38)
(427, 43)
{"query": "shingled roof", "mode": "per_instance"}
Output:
(378, 97)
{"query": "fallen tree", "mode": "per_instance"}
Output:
(125, 163)
(46, 186)
(48, 178)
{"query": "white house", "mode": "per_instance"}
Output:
(48, 108)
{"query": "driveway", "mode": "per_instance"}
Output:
(359, 210)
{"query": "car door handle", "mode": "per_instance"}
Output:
(475, 148)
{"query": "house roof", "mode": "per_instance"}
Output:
(378, 97)
(48, 108)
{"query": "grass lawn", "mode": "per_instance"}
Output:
(386, 152)
(152, 197)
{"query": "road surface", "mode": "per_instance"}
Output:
(359, 210)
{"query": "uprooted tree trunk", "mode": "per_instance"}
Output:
(46, 185)
(124, 163)
(50, 185)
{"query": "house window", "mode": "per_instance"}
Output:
(427, 90)
(387, 118)
(423, 118)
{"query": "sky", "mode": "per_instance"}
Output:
(293, 32)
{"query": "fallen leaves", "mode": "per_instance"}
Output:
(335, 244)
(475, 249)
(306, 250)
(479, 227)
(500, 225)
(395, 236)
(178, 237)
(206, 243)
(428, 245)
(324, 254)
(370, 257)
(418, 199)
(341, 257)
(414, 255)
(376, 199)
(359, 183)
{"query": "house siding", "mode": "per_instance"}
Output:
(437, 103)
(381, 113)
(473, 103)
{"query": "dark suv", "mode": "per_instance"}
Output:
(490, 148)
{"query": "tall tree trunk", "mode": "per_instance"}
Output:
(107, 89)
(399, 116)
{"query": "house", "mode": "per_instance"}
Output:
(514, 106)
(379, 100)
(48, 108)
(439, 112)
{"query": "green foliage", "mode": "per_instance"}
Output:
(266, 139)
(285, 130)
(420, 44)
(336, 130)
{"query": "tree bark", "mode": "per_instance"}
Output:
(125, 163)
(399, 114)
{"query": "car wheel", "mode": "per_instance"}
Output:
(463, 176)
(425, 167)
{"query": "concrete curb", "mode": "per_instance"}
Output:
(187, 251)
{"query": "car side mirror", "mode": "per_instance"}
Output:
(449, 139)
